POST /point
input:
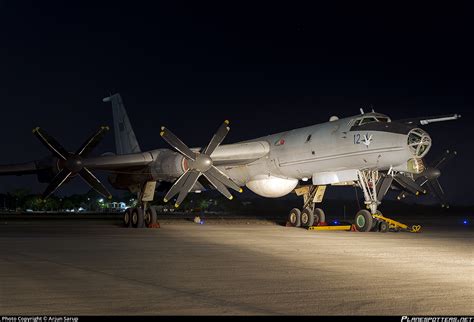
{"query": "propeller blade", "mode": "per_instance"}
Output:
(218, 185)
(217, 138)
(57, 181)
(50, 143)
(176, 143)
(176, 186)
(94, 183)
(187, 186)
(437, 191)
(408, 184)
(445, 158)
(92, 142)
(421, 181)
(383, 185)
(216, 173)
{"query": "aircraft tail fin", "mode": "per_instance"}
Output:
(125, 139)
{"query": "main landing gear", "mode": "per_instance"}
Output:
(139, 218)
(310, 215)
(375, 187)
(143, 215)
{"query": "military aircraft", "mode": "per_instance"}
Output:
(369, 151)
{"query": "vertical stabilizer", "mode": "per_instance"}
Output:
(125, 139)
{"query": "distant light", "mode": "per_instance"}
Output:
(201, 222)
(101, 200)
(335, 222)
(197, 191)
(305, 179)
(465, 222)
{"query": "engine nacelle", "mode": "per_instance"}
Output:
(270, 186)
(168, 164)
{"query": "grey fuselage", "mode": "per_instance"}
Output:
(329, 153)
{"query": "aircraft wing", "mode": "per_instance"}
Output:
(240, 153)
(102, 162)
(113, 162)
(430, 119)
(18, 169)
(230, 154)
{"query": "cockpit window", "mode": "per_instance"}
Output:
(366, 120)
(370, 119)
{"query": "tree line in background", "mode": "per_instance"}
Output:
(23, 200)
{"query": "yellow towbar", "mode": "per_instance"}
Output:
(398, 225)
(345, 228)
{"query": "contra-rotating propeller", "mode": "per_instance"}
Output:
(199, 163)
(429, 177)
(70, 164)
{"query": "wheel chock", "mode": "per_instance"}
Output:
(353, 228)
(415, 229)
(323, 223)
(155, 225)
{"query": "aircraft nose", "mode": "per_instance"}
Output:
(419, 142)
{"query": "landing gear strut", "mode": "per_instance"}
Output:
(143, 215)
(310, 215)
(375, 186)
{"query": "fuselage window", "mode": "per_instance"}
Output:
(308, 138)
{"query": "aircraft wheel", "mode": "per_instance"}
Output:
(127, 217)
(150, 217)
(376, 222)
(137, 218)
(319, 216)
(383, 226)
(294, 218)
(307, 218)
(363, 221)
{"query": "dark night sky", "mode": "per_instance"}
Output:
(267, 69)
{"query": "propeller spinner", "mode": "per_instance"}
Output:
(199, 163)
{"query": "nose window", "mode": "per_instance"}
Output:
(419, 142)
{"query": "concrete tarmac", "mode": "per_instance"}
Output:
(96, 267)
